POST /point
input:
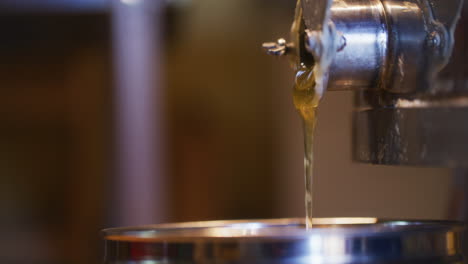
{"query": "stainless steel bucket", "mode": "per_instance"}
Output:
(332, 240)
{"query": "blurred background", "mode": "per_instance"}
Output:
(129, 113)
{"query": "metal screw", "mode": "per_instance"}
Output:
(278, 48)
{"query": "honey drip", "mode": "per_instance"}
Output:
(310, 83)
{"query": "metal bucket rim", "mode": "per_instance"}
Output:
(292, 228)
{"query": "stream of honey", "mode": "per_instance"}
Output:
(310, 83)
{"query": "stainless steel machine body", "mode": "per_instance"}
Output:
(406, 61)
(406, 66)
(414, 114)
(333, 240)
(391, 45)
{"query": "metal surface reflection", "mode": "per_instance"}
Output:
(333, 240)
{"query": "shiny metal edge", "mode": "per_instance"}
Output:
(351, 224)
(286, 241)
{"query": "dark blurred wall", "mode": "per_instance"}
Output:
(54, 118)
(222, 112)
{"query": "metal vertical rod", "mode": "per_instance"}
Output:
(140, 187)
